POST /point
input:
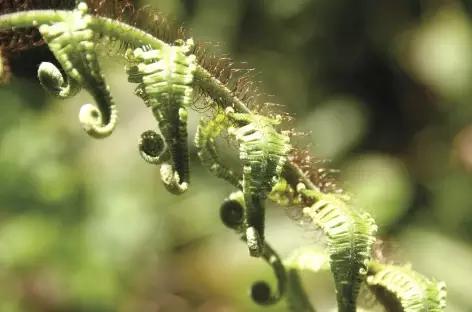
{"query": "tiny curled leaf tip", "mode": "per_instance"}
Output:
(171, 180)
(89, 116)
(232, 213)
(260, 292)
(152, 148)
(53, 82)
(91, 119)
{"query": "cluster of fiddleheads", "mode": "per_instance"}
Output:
(170, 72)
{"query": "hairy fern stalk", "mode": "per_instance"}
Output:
(170, 70)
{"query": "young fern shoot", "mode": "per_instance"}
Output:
(72, 43)
(350, 236)
(165, 80)
(264, 153)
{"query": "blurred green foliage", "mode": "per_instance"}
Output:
(384, 87)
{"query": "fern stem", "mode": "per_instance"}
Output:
(32, 18)
(219, 93)
(297, 297)
(125, 33)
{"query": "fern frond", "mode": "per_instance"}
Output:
(165, 77)
(400, 289)
(350, 236)
(263, 151)
(71, 43)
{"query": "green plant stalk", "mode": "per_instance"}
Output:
(297, 298)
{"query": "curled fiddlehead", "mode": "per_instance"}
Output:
(51, 79)
(152, 148)
(165, 80)
(232, 214)
(71, 41)
(350, 236)
(400, 289)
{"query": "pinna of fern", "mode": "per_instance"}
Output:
(168, 73)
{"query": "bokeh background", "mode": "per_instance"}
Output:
(383, 86)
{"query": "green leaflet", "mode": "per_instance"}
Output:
(350, 235)
(401, 289)
(165, 80)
